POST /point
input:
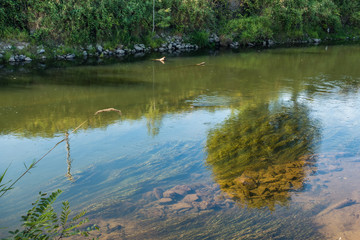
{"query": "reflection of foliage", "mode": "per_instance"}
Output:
(258, 155)
(269, 186)
(153, 116)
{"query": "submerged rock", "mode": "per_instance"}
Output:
(181, 205)
(165, 200)
(181, 190)
(158, 193)
(191, 198)
(169, 194)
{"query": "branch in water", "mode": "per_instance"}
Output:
(108, 110)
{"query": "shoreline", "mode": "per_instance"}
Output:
(23, 53)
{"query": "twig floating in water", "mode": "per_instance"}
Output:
(108, 110)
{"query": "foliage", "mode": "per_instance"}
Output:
(3, 186)
(249, 29)
(200, 38)
(12, 15)
(42, 222)
(81, 22)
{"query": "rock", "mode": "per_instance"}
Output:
(41, 51)
(316, 40)
(85, 53)
(27, 59)
(158, 193)
(191, 198)
(20, 47)
(169, 194)
(70, 56)
(113, 229)
(246, 181)
(99, 48)
(120, 52)
(138, 48)
(234, 45)
(12, 59)
(165, 201)
(21, 58)
(270, 42)
(1, 56)
(204, 205)
(161, 49)
(181, 189)
(43, 57)
(170, 46)
(181, 205)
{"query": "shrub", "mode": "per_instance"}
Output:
(201, 38)
(250, 29)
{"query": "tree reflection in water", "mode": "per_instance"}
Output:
(261, 154)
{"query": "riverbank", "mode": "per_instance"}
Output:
(20, 53)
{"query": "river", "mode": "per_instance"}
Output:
(258, 144)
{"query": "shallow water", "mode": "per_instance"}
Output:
(253, 145)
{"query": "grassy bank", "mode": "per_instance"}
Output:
(119, 23)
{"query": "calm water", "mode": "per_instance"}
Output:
(253, 145)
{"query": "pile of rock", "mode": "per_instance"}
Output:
(234, 45)
(185, 198)
(19, 58)
(214, 39)
(69, 56)
(176, 44)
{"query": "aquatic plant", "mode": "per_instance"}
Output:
(262, 153)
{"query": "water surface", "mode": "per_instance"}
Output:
(253, 145)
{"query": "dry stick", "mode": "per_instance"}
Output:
(162, 60)
(34, 164)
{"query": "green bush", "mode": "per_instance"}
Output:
(79, 22)
(186, 15)
(250, 29)
(200, 38)
(12, 14)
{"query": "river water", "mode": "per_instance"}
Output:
(251, 145)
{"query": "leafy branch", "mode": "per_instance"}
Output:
(42, 222)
